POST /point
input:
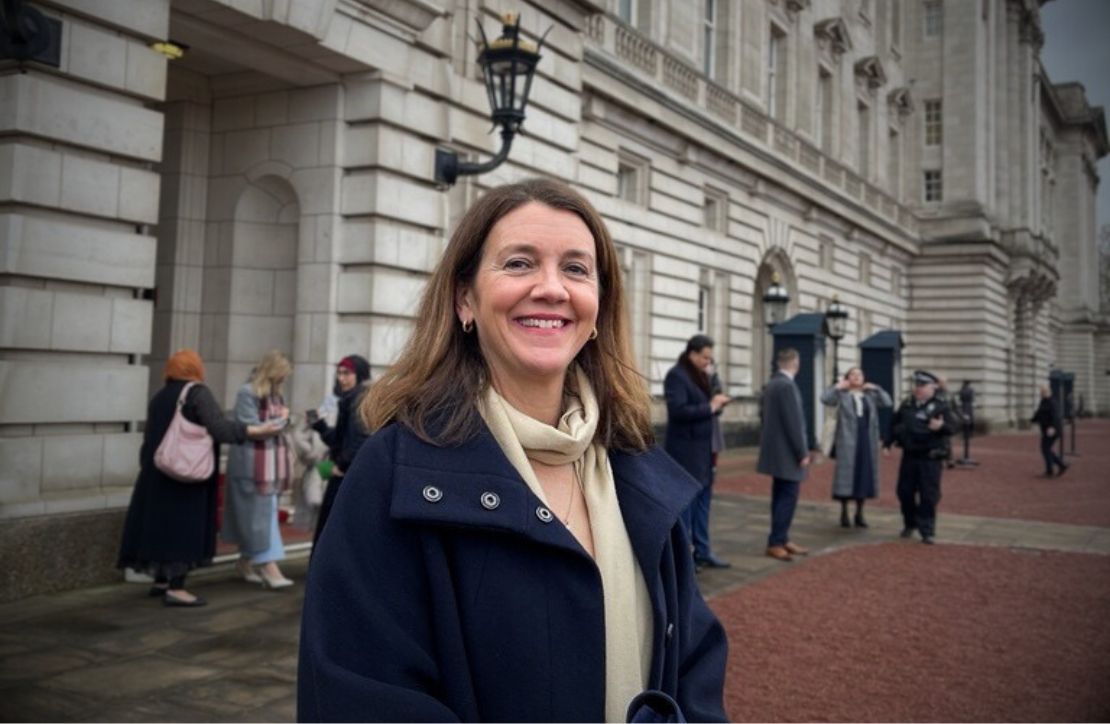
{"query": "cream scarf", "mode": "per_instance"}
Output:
(628, 627)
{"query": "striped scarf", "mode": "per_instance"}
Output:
(271, 456)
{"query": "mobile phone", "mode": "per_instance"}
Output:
(312, 416)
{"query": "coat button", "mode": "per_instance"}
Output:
(544, 514)
(432, 494)
(490, 501)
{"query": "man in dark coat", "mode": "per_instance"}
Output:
(443, 591)
(692, 407)
(783, 452)
(1050, 425)
(921, 427)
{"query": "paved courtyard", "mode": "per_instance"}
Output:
(112, 654)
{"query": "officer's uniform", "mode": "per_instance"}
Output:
(923, 453)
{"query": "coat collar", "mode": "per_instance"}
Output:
(473, 485)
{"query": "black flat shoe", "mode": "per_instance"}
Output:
(711, 561)
(860, 522)
(844, 522)
(169, 600)
(1063, 469)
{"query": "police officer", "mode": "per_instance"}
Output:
(921, 427)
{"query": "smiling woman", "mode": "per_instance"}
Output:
(506, 546)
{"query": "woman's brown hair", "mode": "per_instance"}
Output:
(437, 380)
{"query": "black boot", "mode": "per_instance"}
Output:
(860, 522)
(844, 522)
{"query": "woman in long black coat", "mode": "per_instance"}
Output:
(171, 526)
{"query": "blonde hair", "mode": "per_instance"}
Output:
(433, 387)
(270, 373)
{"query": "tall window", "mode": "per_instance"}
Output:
(709, 35)
(776, 74)
(934, 18)
(895, 23)
(626, 11)
(894, 163)
(824, 109)
(703, 308)
(864, 112)
(934, 186)
(934, 122)
(632, 179)
(716, 210)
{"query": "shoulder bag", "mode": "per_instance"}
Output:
(186, 452)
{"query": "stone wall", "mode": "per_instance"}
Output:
(79, 194)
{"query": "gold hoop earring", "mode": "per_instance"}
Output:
(468, 326)
(593, 334)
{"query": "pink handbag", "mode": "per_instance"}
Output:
(186, 452)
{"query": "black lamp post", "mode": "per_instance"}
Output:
(27, 34)
(508, 66)
(775, 301)
(836, 326)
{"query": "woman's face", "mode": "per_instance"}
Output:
(345, 378)
(534, 299)
(855, 377)
(701, 358)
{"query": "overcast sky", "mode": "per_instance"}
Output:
(1077, 48)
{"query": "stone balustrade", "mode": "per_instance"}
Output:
(607, 34)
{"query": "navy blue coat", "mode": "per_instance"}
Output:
(435, 607)
(689, 438)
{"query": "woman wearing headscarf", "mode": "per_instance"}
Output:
(170, 527)
(506, 545)
(257, 474)
(856, 445)
(343, 441)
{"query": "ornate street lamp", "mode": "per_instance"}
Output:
(775, 301)
(836, 326)
(27, 34)
(508, 65)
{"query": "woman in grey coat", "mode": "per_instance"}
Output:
(856, 446)
(257, 474)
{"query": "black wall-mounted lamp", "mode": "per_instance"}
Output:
(27, 34)
(508, 66)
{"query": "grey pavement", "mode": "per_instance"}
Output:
(113, 654)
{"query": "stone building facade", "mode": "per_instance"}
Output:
(273, 188)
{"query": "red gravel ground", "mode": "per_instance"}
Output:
(1005, 485)
(901, 632)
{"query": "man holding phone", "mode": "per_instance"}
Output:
(921, 427)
